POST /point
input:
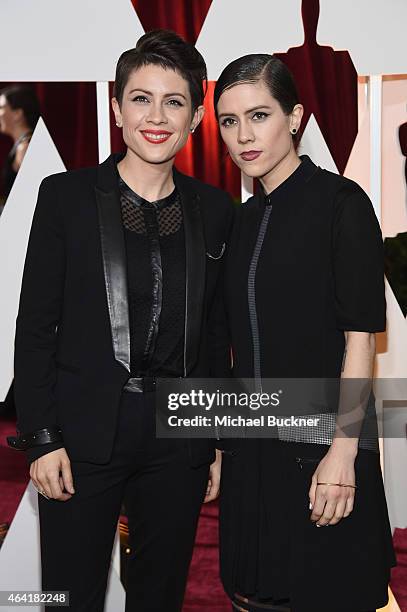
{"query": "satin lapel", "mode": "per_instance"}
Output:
(114, 263)
(195, 271)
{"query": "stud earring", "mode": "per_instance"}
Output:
(118, 124)
(192, 130)
(293, 131)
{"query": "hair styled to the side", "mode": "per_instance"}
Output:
(24, 97)
(255, 67)
(168, 50)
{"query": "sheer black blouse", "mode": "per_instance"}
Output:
(154, 240)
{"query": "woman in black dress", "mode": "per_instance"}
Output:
(305, 296)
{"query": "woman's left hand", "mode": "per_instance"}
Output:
(212, 489)
(332, 503)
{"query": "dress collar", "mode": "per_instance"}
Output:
(301, 174)
(137, 200)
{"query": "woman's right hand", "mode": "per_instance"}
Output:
(330, 504)
(51, 473)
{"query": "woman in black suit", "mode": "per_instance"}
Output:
(120, 288)
(305, 296)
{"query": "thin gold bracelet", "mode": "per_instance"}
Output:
(333, 484)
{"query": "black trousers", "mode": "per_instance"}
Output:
(162, 494)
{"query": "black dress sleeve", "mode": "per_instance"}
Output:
(358, 263)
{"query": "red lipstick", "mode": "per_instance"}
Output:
(250, 155)
(156, 136)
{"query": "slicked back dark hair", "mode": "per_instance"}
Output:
(168, 50)
(255, 67)
(24, 97)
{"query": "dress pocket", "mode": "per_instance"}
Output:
(301, 460)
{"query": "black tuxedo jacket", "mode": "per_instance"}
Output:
(72, 346)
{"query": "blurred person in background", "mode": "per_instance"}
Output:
(19, 113)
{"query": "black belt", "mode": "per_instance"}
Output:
(140, 384)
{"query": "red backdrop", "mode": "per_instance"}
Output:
(326, 81)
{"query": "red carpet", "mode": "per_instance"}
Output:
(14, 474)
(204, 590)
(399, 574)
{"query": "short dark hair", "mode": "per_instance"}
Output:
(168, 50)
(255, 67)
(24, 97)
